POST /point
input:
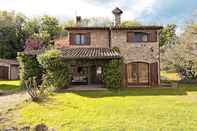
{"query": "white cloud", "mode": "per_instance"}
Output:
(71, 8)
(139, 8)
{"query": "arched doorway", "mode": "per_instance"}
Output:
(138, 73)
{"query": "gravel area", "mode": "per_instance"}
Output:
(10, 101)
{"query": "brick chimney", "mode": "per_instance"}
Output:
(78, 21)
(117, 14)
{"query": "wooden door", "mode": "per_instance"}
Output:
(138, 73)
(154, 74)
(4, 73)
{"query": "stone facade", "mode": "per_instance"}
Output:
(131, 52)
(134, 52)
(98, 38)
(146, 52)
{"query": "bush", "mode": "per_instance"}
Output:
(112, 74)
(56, 70)
(29, 68)
(34, 90)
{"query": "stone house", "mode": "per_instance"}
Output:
(90, 47)
(9, 69)
(138, 47)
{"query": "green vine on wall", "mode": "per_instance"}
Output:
(112, 74)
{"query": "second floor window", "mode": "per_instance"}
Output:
(80, 38)
(140, 37)
(149, 36)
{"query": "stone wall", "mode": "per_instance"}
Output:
(133, 52)
(98, 38)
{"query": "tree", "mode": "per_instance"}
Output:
(50, 25)
(69, 23)
(90, 22)
(31, 27)
(130, 23)
(182, 56)
(167, 36)
(11, 34)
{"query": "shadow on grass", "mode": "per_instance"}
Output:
(180, 90)
(8, 87)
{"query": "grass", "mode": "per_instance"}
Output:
(10, 86)
(136, 109)
(170, 76)
(142, 109)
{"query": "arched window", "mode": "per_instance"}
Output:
(138, 73)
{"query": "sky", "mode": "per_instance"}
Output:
(160, 12)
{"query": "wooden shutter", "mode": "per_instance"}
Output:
(152, 36)
(130, 36)
(87, 38)
(71, 38)
(154, 74)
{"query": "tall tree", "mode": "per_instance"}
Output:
(183, 56)
(11, 34)
(50, 25)
(167, 36)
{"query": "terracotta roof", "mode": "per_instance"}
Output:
(116, 28)
(83, 53)
(90, 53)
(9, 61)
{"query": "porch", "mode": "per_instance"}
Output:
(87, 65)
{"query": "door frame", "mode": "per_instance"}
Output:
(137, 83)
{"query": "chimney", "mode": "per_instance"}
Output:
(78, 21)
(117, 14)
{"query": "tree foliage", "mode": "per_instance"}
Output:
(50, 25)
(11, 34)
(29, 68)
(183, 56)
(167, 36)
(56, 73)
(130, 23)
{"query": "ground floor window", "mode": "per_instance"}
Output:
(79, 74)
(138, 73)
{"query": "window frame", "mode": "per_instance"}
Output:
(73, 36)
(151, 36)
(140, 33)
(138, 81)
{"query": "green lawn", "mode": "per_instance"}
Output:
(10, 85)
(170, 76)
(134, 110)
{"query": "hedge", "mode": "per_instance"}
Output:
(29, 68)
(56, 73)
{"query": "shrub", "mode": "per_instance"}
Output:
(112, 74)
(29, 67)
(56, 70)
(34, 90)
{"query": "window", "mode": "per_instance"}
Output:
(137, 73)
(148, 36)
(80, 39)
(140, 37)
